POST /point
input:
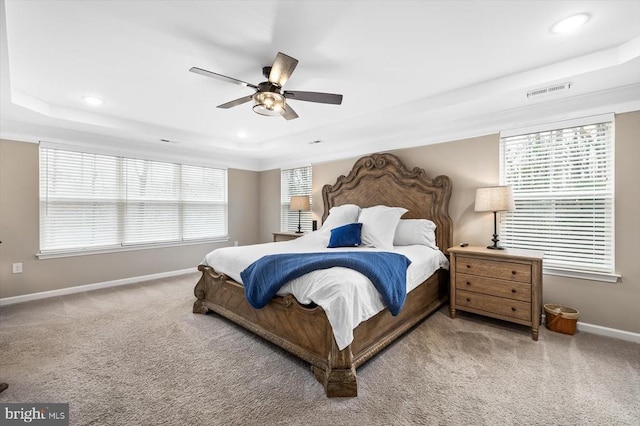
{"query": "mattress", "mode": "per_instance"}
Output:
(347, 296)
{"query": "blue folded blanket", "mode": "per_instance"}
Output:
(387, 271)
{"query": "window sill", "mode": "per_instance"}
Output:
(60, 254)
(592, 276)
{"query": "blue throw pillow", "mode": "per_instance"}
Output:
(345, 236)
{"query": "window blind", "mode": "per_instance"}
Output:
(90, 201)
(152, 202)
(563, 189)
(295, 182)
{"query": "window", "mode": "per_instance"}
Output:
(96, 202)
(562, 179)
(295, 182)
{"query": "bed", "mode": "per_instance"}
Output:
(304, 329)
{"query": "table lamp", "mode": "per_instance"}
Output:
(299, 203)
(494, 199)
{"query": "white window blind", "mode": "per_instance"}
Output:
(204, 202)
(91, 201)
(151, 202)
(295, 182)
(563, 189)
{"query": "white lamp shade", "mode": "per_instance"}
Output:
(300, 203)
(494, 199)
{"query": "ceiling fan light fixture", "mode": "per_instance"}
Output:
(268, 103)
(268, 97)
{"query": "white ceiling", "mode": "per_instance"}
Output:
(411, 72)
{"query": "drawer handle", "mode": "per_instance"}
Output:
(468, 283)
(513, 272)
(513, 309)
(468, 300)
(513, 290)
(468, 266)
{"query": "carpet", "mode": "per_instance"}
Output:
(136, 355)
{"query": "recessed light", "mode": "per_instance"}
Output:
(570, 24)
(92, 100)
(242, 134)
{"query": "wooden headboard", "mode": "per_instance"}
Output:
(382, 179)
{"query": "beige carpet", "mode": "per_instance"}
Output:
(136, 355)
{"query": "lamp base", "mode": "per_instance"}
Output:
(299, 231)
(495, 239)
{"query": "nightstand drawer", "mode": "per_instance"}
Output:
(493, 287)
(520, 272)
(492, 304)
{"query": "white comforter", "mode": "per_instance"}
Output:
(347, 296)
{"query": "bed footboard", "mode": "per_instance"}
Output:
(294, 327)
(306, 332)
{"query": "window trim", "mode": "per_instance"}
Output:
(605, 277)
(555, 125)
(129, 247)
(608, 277)
(122, 246)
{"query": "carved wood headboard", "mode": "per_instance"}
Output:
(382, 179)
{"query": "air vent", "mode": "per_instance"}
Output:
(168, 141)
(551, 90)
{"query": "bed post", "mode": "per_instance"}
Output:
(200, 291)
(339, 379)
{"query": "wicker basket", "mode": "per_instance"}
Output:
(561, 318)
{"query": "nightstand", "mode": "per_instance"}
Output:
(504, 284)
(286, 236)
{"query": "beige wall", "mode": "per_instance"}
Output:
(476, 165)
(254, 213)
(19, 233)
(323, 174)
(269, 204)
(473, 163)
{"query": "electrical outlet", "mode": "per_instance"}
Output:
(16, 268)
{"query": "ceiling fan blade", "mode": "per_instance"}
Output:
(323, 98)
(237, 102)
(222, 77)
(282, 69)
(289, 113)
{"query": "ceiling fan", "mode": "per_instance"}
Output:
(268, 97)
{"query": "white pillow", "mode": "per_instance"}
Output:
(379, 225)
(340, 215)
(415, 231)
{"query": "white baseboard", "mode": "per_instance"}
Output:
(610, 332)
(603, 331)
(81, 288)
